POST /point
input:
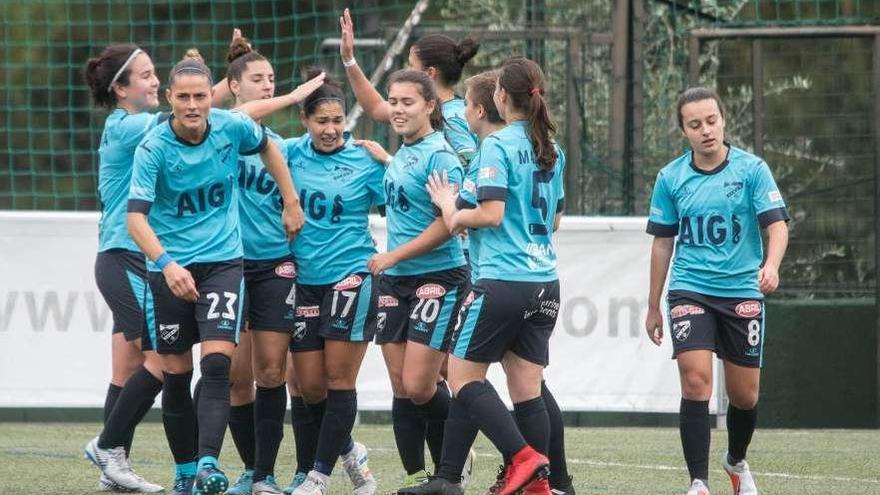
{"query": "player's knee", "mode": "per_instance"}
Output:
(419, 391)
(696, 385)
(743, 399)
(313, 391)
(269, 375)
(215, 365)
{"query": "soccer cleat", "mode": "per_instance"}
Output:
(355, 464)
(433, 486)
(566, 488)
(183, 485)
(298, 479)
(526, 466)
(414, 480)
(106, 485)
(266, 487)
(315, 484)
(698, 488)
(468, 469)
(243, 485)
(116, 468)
(538, 487)
(740, 477)
(145, 486)
(499, 480)
(210, 481)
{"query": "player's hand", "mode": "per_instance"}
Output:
(768, 279)
(381, 262)
(374, 149)
(346, 46)
(443, 194)
(293, 219)
(181, 282)
(654, 326)
(302, 91)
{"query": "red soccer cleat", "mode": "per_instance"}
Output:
(526, 466)
(540, 486)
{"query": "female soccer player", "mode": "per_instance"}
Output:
(123, 78)
(511, 312)
(183, 214)
(716, 199)
(424, 271)
(336, 295)
(439, 56)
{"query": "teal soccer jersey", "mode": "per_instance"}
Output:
(262, 233)
(122, 133)
(456, 131)
(190, 191)
(337, 191)
(467, 198)
(521, 248)
(717, 216)
(408, 205)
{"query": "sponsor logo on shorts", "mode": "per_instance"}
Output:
(339, 324)
(753, 352)
(224, 325)
(169, 333)
(422, 327)
(286, 270)
(299, 330)
(349, 282)
(686, 309)
(681, 330)
(308, 311)
(430, 291)
(748, 309)
(388, 302)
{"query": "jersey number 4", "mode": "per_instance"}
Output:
(539, 201)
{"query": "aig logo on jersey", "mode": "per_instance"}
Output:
(430, 291)
(681, 330)
(169, 333)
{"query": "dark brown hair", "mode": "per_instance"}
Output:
(192, 63)
(524, 82)
(240, 54)
(446, 55)
(692, 95)
(99, 71)
(481, 88)
(426, 89)
(331, 90)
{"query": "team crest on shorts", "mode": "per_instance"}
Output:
(169, 333)
(381, 319)
(299, 330)
(748, 309)
(681, 330)
(349, 282)
(430, 291)
(286, 270)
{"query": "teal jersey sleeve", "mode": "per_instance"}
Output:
(492, 177)
(560, 184)
(252, 135)
(766, 197)
(374, 184)
(145, 174)
(663, 215)
(456, 130)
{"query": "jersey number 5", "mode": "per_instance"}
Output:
(539, 201)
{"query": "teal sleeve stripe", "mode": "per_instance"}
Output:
(467, 330)
(363, 307)
(239, 321)
(442, 325)
(138, 288)
(150, 315)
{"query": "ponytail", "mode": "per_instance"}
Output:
(523, 80)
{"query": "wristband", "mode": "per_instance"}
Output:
(163, 260)
(349, 63)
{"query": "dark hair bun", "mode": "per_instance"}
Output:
(238, 47)
(466, 50)
(312, 72)
(193, 53)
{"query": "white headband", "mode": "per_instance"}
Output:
(122, 69)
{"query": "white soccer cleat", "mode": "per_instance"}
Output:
(105, 485)
(355, 464)
(740, 477)
(266, 487)
(698, 488)
(116, 468)
(315, 484)
(468, 469)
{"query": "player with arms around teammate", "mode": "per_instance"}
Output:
(510, 314)
(716, 199)
(336, 295)
(183, 214)
(424, 272)
(123, 78)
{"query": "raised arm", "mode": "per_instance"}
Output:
(372, 102)
(259, 109)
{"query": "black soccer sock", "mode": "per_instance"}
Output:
(458, 437)
(740, 426)
(533, 422)
(269, 416)
(213, 405)
(179, 417)
(110, 399)
(135, 399)
(241, 425)
(556, 450)
(495, 421)
(409, 434)
(341, 409)
(694, 429)
(305, 434)
(435, 412)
